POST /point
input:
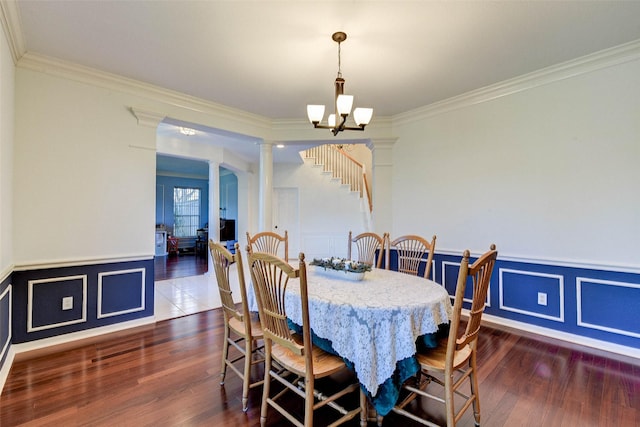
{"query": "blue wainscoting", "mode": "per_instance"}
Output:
(54, 301)
(607, 305)
(5, 319)
(592, 303)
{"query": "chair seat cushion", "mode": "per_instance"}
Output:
(434, 359)
(324, 363)
(238, 327)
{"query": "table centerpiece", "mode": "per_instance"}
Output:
(341, 268)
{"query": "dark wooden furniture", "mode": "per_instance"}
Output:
(172, 245)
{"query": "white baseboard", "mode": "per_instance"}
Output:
(73, 337)
(602, 346)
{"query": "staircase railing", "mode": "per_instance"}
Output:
(342, 166)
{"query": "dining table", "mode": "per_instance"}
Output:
(376, 324)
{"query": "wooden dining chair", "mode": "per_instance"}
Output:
(453, 363)
(302, 362)
(269, 242)
(366, 245)
(411, 250)
(241, 329)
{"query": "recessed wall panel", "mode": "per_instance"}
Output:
(46, 297)
(121, 292)
(608, 306)
(520, 289)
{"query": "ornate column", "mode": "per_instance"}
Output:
(266, 186)
(214, 208)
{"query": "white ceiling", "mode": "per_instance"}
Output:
(272, 58)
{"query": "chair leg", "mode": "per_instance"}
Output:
(248, 345)
(448, 396)
(364, 409)
(308, 400)
(225, 354)
(474, 390)
(266, 384)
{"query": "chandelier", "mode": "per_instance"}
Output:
(343, 104)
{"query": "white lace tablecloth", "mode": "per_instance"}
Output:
(375, 322)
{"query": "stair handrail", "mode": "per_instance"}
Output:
(342, 166)
(365, 184)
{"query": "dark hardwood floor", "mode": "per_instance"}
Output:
(183, 265)
(167, 374)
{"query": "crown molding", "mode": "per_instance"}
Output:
(91, 76)
(12, 26)
(605, 58)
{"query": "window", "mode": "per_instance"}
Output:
(186, 211)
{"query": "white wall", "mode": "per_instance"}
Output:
(7, 73)
(84, 189)
(548, 172)
(326, 211)
(551, 172)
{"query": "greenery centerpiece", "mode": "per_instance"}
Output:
(341, 264)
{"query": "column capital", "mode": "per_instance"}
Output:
(147, 118)
(382, 150)
(381, 143)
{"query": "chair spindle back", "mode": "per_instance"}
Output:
(367, 244)
(271, 276)
(411, 250)
(269, 242)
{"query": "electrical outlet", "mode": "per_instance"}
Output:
(542, 298)
(67, 303)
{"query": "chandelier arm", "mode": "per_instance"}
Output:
(317, 125)
(340, 127)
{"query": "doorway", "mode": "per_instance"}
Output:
(182, 215)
